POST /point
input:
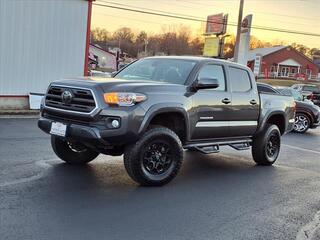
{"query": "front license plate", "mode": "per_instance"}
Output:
(58, 129)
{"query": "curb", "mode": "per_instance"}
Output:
(19, 113)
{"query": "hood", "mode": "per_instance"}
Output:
(121, 85)
(306, 105)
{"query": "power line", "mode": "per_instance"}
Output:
(206, 3)
(202, 20)
(143, 8)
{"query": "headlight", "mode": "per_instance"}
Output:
(123, 98)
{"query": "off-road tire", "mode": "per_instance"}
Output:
(134, 157)
(261, 146)
(62, 149)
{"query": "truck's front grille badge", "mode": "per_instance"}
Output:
(71, 99)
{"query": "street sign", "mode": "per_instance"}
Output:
(215, 24)
(211, 47)
(257, 64)
(244, 40)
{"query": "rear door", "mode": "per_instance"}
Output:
(244, 111)
(212, 106)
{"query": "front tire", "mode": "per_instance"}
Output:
(302, 123)
(72, 153)
(266, 146)
(155, 159)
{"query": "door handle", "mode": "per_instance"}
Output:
(253, 102)
(226, 101)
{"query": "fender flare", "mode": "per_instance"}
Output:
(268, 116)
(164, 108)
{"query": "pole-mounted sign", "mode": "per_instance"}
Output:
(216, 26)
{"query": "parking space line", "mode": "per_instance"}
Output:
(301, 149)
(309, 230)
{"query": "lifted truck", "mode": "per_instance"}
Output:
(155, 107)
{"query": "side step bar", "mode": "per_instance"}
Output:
(214, 147)
(208, 149)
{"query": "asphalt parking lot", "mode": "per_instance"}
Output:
(219, 196)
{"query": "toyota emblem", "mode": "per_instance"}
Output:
(66, 97)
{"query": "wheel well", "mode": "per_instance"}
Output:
(172, 120)
(279, 121)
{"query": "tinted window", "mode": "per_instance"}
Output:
(239, 80)
(216, 72)
(265, 89)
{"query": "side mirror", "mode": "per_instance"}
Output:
(207, 83)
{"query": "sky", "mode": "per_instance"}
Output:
(297, 15)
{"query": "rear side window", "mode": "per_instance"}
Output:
(239, 80)
(216, 72)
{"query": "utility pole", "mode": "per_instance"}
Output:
(236, 49)
(145, 45)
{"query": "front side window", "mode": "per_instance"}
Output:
(239, 80)
(214, 72)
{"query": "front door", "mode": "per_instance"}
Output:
(284, 71)
(211, 106)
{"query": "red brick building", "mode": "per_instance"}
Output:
(284, 62)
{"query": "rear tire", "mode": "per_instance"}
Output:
(72, 153)
(266, 146)
(155, 159)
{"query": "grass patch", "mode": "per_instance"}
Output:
(285, 82)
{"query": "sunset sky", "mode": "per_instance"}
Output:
(298, 15)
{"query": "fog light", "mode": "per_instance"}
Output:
(115, 123)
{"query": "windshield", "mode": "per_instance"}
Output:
(162, 70)
(293, 93)
(296, 95)
(310, 88)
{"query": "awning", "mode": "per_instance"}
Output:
(290, 62)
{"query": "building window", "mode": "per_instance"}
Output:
(273, 69)
(308, 72)
(294, 70)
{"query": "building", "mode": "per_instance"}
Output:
(106, 60)
(41, 41)
(283, 62)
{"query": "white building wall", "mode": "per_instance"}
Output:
(40, 41)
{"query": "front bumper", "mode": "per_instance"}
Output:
(316, 123)
(95, 131)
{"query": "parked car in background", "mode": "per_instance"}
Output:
(307, 114)
(294, 93)
(309, 91)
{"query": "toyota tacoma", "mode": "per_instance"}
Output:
(154, 108)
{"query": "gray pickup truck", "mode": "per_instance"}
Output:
(155, 107)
